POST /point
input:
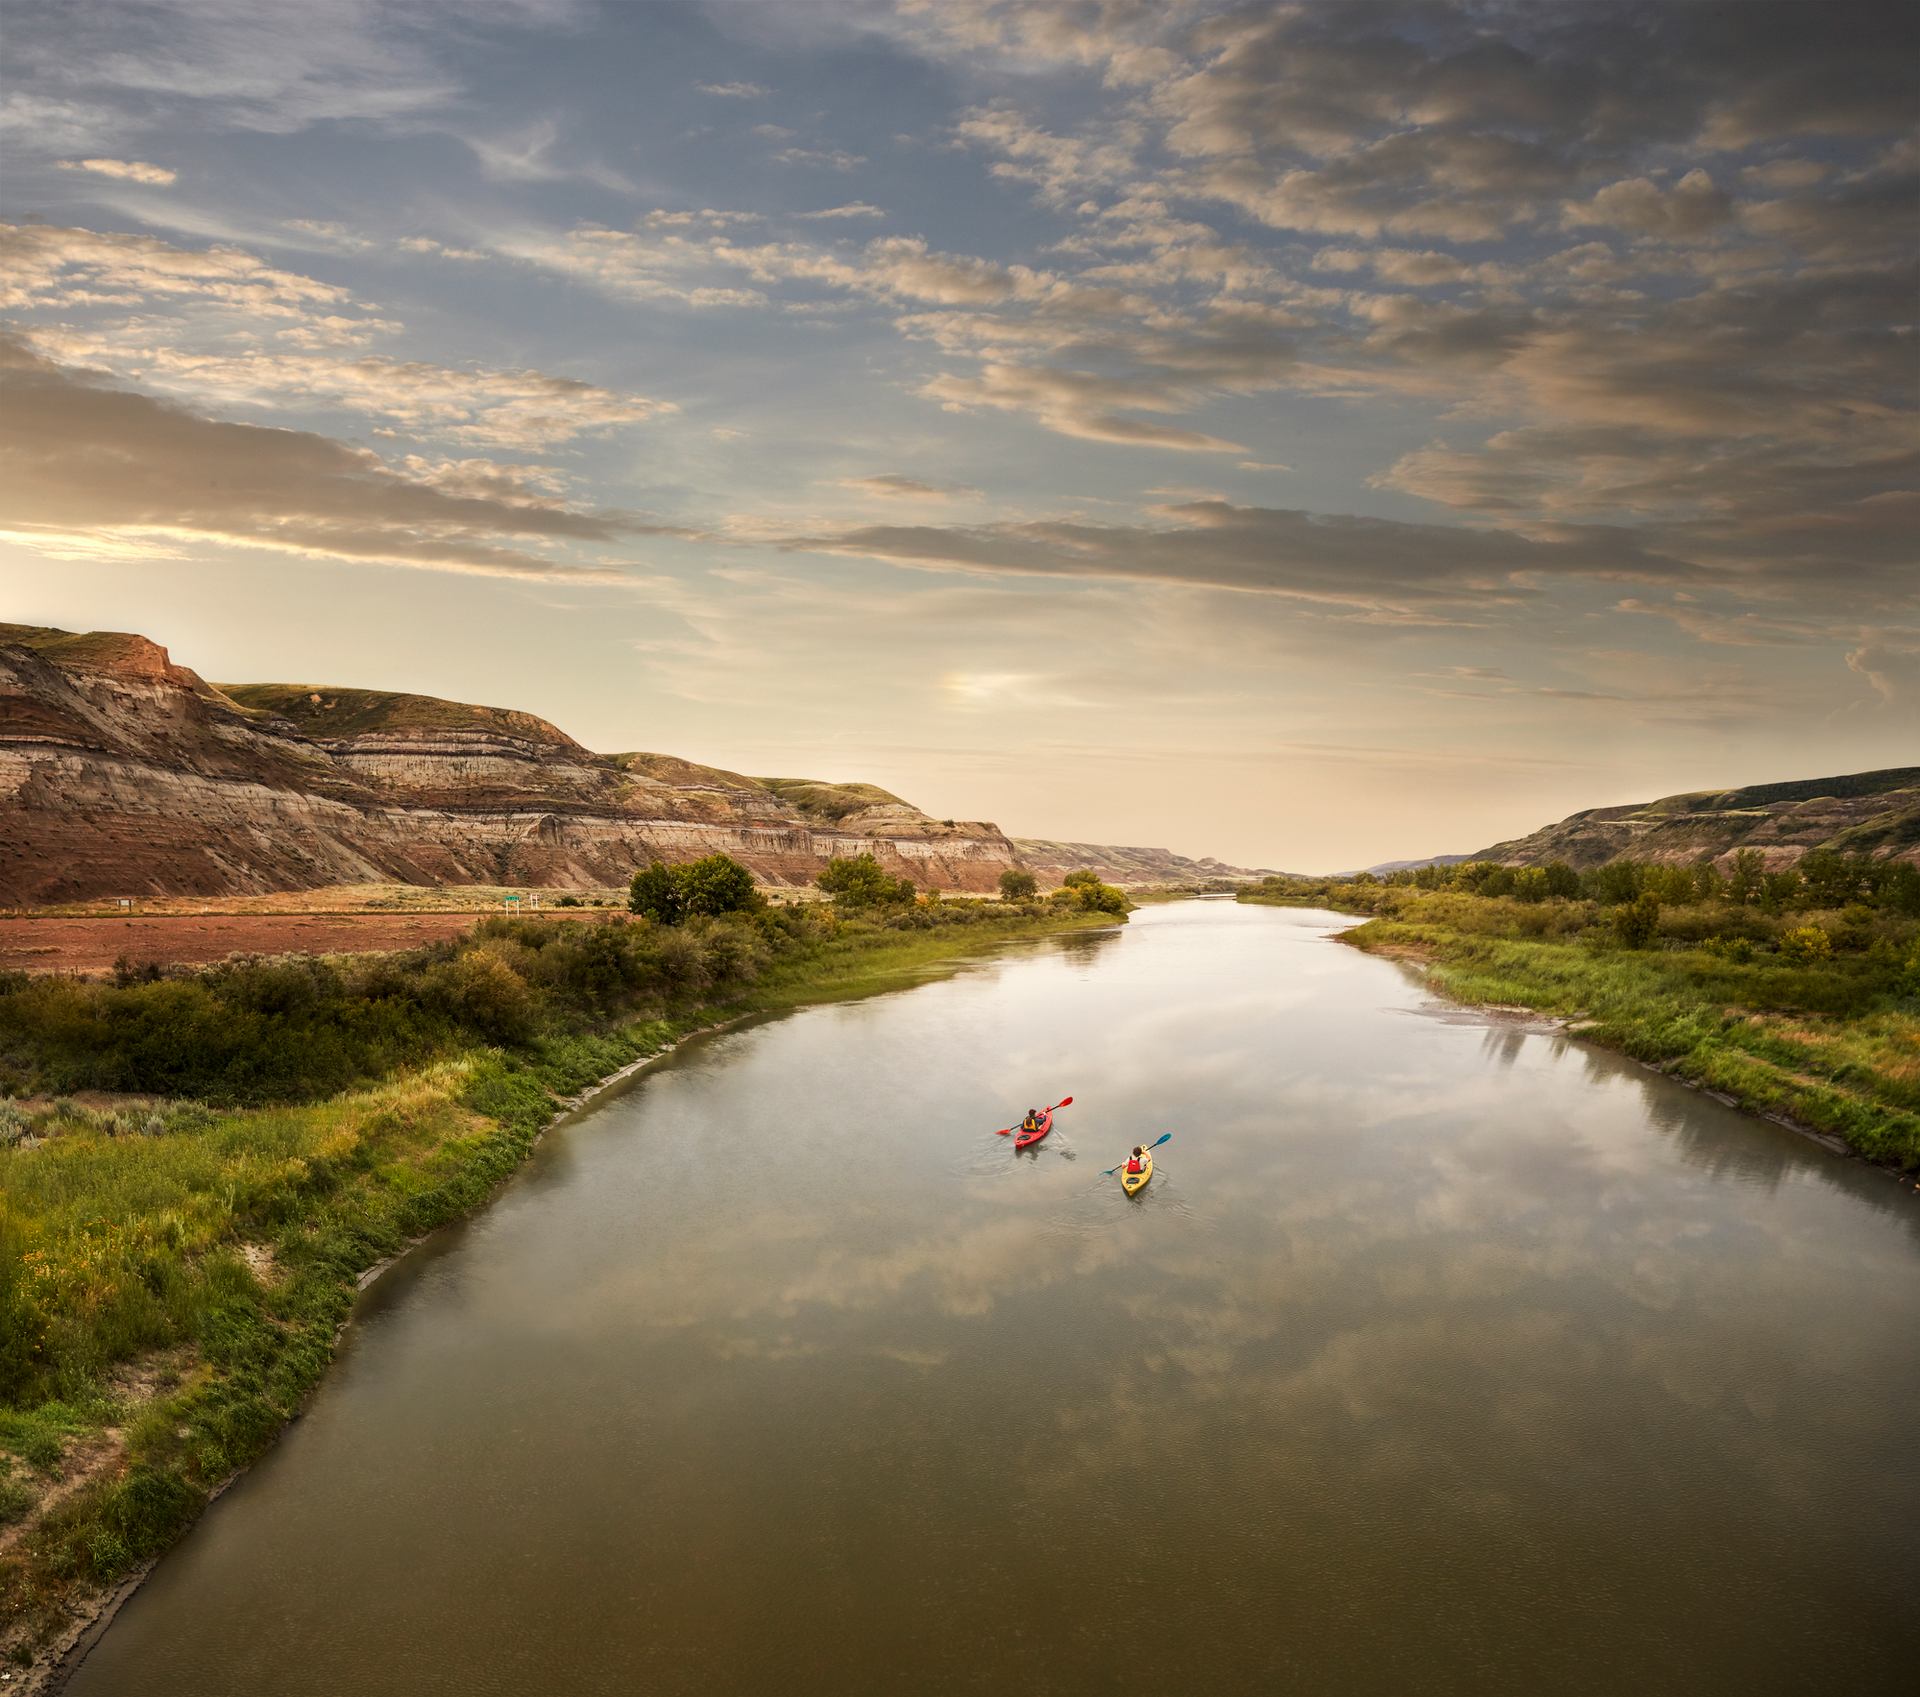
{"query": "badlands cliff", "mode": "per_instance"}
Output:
(122, 774)
(1870, 813)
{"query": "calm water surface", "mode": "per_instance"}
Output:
(1437, 1357)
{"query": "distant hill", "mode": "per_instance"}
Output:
(1387, 866)
(1870, 813)
(1128, 867)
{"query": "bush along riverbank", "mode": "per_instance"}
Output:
(1794, 993)
(196, 1169)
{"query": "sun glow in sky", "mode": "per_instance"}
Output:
(1303, 434)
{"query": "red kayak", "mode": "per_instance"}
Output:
(1026, 1139)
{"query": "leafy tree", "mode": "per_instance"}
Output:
(1530, 884)
(1637, 922)
(860, 881)
(1779, 890)
(1668, 883)
(1085, 878)
(1832, 880)
(1900, 893)
(1746, 877)
(1617, 881)
(717, 884)
(1017, 884)
(1562, 881)
(656, 892)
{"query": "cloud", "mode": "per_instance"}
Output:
(128, 170)
(893, 485)
(275, 69)
(853, 209)
(1891, 670)
(83, 461)
(51, 265)
(1642, 207)
(734, 90)
(501, 409)
(1787, 173)
(1359, 565)
(1082, 404)
(833, 158)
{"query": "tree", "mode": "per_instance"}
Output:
(1617, 881)
(1900, 893)
(1832, 880)
(861, 881)
(1746, 876)
(1530, 884)
(656, 892)
(1562, 881)
(717, 884)
(708, 887)
(1017, 884)
(1779, 890)
(1085, 878)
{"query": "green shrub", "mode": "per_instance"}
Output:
(1017, 884)
(1805, 944)
(1637, 922)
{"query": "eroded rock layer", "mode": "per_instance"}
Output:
(1869, 813)
(124, 774)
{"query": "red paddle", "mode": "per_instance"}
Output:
(1008, 1131)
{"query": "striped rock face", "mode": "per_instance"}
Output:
(123, 774)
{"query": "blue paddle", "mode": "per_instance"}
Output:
(1153, 1145)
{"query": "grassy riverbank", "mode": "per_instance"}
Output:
(1808, 1012)
(182, 1234)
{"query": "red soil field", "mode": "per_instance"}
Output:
(93, 945)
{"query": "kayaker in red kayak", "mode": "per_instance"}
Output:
(1137, 1159)
(1032, 1121)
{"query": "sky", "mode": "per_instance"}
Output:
(1303, 434)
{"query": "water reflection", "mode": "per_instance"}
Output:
(1434, 1357)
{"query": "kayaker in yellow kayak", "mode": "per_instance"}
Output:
(1136, 1160)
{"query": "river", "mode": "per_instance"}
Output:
(1441, 1354)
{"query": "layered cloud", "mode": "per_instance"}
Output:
(1368, 566)
(82, 461)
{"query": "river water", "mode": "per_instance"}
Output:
(1439, 1355)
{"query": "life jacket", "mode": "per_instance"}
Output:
(1136, 1163)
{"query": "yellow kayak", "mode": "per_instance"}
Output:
(1134, 1183)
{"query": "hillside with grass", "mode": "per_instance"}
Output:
(1863, 813)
